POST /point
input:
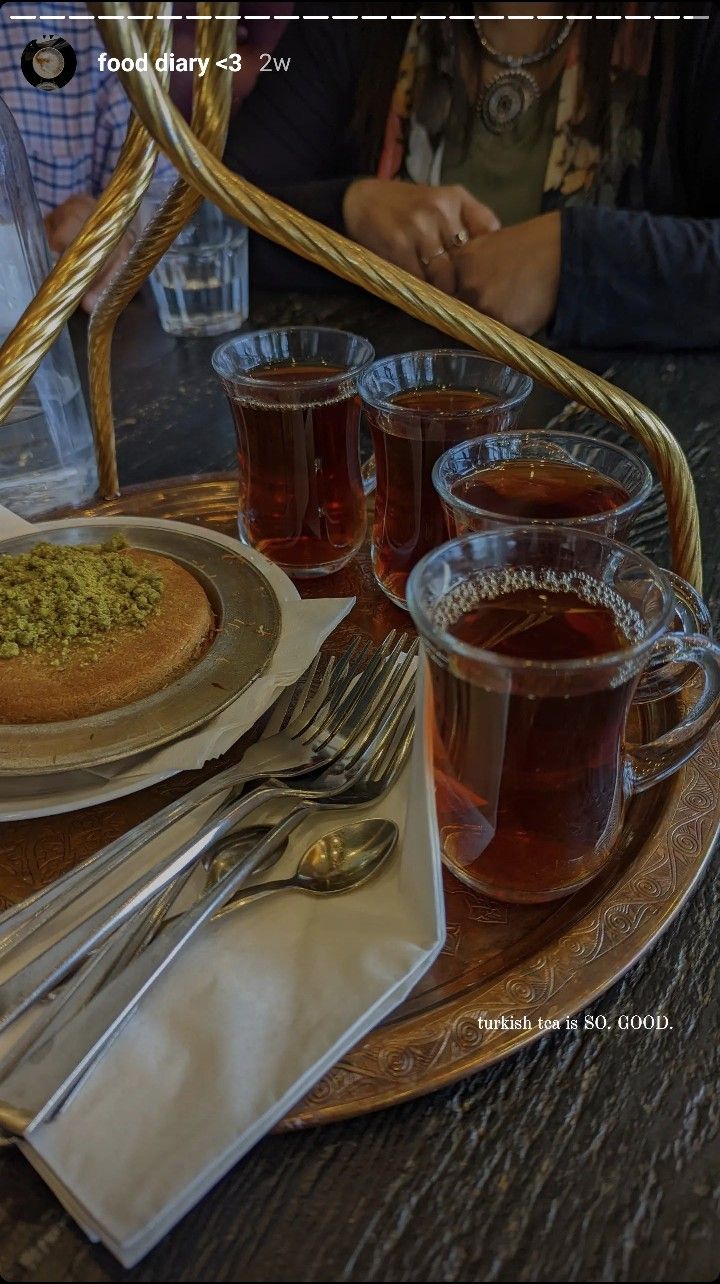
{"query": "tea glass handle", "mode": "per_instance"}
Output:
(691, 610)
(647, 764)
(661, 679)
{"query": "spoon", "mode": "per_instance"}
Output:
(219, 860)
(216, 864)
(338, 862)
(45, 1077)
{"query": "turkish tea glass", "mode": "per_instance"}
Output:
(517, 478)
(536, 639)
(293, 396)
(417, 405)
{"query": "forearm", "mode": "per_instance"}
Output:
(637, 280)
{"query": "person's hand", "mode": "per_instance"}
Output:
(414, 226)
(62, 226)
(513, 275)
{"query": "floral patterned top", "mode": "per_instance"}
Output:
(590, 153)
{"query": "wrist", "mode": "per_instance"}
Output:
(353, 204)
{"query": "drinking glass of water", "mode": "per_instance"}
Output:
(201, 284)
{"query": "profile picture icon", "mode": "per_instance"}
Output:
(49, 62)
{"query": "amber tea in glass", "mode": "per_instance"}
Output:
(543, 476)
(293, 396)
(417, 405)
(537, 638)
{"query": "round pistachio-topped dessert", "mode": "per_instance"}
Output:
(87, 628)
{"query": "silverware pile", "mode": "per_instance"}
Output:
(338, 739)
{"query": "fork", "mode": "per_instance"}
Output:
(302, 733)
(105, 963)
(42, 1081)
(351, 779)
(277, 737)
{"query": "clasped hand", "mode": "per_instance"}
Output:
(63, 224)
(447, 237)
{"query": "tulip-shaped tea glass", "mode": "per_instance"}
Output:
(293, 395)
(513, 478)
(537, 638)
(417, 405)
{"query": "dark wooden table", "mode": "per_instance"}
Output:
(588, 1156)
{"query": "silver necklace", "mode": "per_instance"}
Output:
(515, 89)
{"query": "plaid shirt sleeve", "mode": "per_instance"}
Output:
(111, 122)
(73, 134)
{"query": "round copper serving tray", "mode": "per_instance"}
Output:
(534, 962)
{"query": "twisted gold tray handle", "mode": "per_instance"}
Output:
(330, 250)
(61, 292)
(212, 95)
(264, 214)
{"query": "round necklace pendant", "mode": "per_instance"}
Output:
(506, 98)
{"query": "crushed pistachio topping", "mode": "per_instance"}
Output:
(59, 595)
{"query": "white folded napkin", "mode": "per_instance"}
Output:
(11, 524)
(254, 1011)
(304, 627)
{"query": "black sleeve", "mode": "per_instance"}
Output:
(652, 280)
(631, 279)
(292, 138)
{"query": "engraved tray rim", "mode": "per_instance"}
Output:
(427, 1050)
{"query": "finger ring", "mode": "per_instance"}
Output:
(462, 237)
(426, 260)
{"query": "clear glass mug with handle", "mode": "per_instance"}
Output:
(537, 638)
(540, 475)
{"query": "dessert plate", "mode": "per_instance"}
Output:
(248, 618)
